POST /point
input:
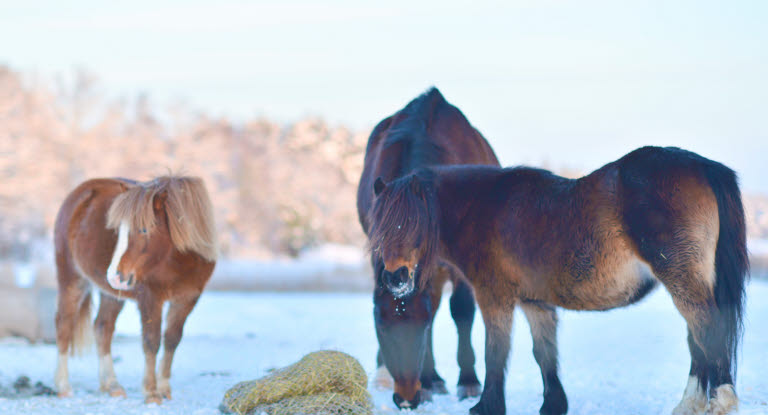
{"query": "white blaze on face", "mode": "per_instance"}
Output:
(120, 248)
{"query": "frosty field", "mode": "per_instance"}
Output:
(627, 361)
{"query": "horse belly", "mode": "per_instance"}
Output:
(617, 283)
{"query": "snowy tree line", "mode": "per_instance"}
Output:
(277, 188)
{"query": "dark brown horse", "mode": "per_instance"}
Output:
(427, 132)
(525, 237)
(150, 242)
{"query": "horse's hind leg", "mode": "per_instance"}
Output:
(463, 313)
(72, 323)
(497, 313)
(104, 325)
(543, 321)
(695, 396)
(175, 319)
(710, 356)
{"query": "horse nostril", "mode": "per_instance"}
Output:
(402, 275)
(124, 278)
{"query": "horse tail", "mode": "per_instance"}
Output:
(82, 335)
(731, 259)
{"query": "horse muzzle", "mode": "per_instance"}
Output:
(122, 282)
(401, 282)
(403, 403)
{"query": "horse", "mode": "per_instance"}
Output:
(150, 242)
(428, 131)
(526, 237)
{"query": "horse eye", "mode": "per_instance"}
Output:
(143, 230)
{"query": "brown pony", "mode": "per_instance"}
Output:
(427, 132)
(150, 242)
(526, 237)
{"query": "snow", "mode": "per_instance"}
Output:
(328, 267)
(627, 361)
(758, 247)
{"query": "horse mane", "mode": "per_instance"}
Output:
(187, 205)
(406, 214)
(409, 128)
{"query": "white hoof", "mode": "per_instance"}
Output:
(723, 402)
(694, 400)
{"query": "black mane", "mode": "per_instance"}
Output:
(409, 129)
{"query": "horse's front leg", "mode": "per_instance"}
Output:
(104, 325)
(151, 309)
(175, 319)
(543, 321)
(431, 381)
(463, 313)
(497, 315)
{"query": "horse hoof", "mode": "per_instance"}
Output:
(425, 395)
(154, 398)
(468, 391)
(66, 393)
(166, 394)
(723, 401)
(485, 408)
(117, 392)
(438, 388)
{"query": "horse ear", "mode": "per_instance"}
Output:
(378, 186)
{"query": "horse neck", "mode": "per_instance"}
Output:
(408, 154)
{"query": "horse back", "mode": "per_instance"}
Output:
(429, 131)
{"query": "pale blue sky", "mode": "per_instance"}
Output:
(574, 84)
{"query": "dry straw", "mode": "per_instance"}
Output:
(321, 383)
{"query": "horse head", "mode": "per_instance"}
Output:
(404, 239)
(155, 221)
(404, 232)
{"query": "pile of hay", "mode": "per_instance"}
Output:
(321, 383)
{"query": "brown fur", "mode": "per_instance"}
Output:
(526, 236)
(429, 131)
(171, 251)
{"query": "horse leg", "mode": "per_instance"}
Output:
(175, 319)
(151, 310)
(711, 339)
(710, 357)
(383, 379)
(72, 323)
(431, 382)
(543, 321)
(695, 396)
(463, 314)
(104, 325)
(497, 316)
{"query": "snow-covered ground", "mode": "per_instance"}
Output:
(627, 361)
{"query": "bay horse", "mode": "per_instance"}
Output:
(527, 237)
(428, 131)
(150, 242)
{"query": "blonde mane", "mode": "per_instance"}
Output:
(188, 207)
